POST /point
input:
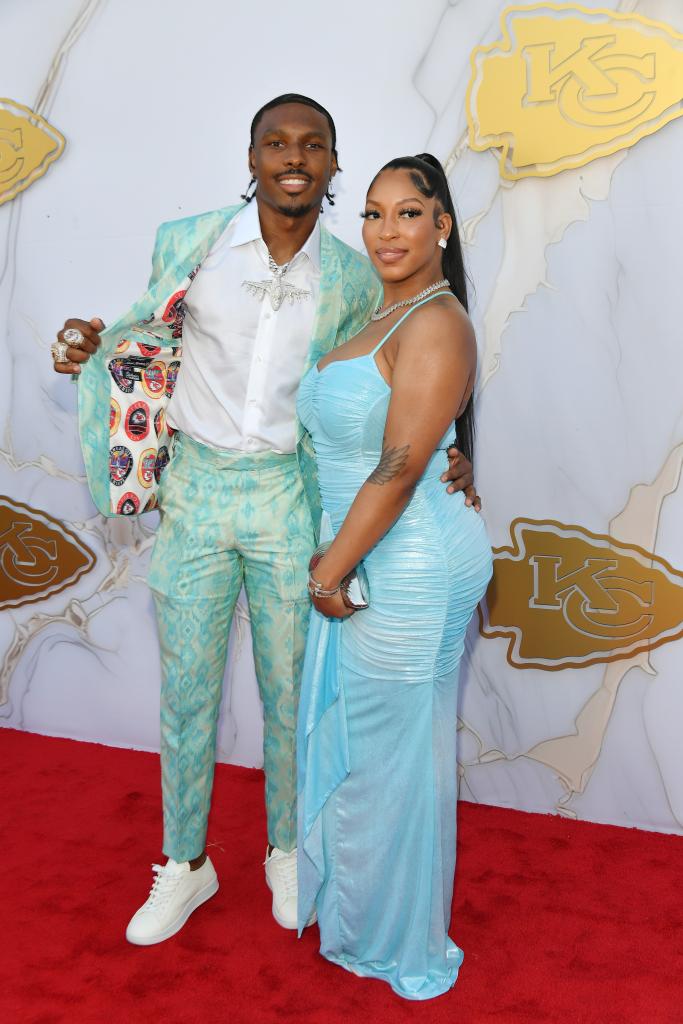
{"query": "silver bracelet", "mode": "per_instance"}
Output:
(316, 589)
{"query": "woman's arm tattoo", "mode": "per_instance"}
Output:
(390, 464)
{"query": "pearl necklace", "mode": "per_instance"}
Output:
(409, 302)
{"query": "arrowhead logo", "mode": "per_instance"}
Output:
(567, 84)
(28, 145)
(567, 598)
(39, 556)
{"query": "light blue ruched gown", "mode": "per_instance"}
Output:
(378, 711)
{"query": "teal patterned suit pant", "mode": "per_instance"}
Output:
(228, 519)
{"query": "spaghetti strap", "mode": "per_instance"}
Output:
(404, 317)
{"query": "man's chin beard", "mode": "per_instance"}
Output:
(297, 211)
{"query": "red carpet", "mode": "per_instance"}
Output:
(560, 921)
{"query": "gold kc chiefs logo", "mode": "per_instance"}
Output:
(28, 145)
(567, 84)
(39, 556)
(566, 598)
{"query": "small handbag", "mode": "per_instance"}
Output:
(354, 588)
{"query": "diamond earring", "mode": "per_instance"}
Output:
(442, 242)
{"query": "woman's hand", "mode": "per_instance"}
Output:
(333, 607)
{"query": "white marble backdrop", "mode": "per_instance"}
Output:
(576, 309)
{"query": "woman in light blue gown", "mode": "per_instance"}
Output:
(378, 712)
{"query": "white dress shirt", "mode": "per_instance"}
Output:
(242, 360)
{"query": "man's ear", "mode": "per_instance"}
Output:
(251, 162)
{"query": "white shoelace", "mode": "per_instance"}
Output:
(286, 868)
(163, 887)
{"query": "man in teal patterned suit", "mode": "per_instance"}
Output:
(247, 298)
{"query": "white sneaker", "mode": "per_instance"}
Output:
(176, 892)
(281, 879)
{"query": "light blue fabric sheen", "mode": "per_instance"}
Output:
(378, 713)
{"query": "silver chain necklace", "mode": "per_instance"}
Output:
(276, 289)
(409, 302)
(273, 266)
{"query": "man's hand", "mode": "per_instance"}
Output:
(90, 329)
(461, 478)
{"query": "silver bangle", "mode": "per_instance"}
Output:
(316, 589)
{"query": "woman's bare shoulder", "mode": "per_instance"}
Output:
(442, 325)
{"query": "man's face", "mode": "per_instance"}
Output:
(292, 159)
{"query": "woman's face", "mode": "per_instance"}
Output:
(402, 228)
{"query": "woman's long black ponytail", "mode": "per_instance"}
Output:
(430, 179)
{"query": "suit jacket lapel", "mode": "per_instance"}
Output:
(185, 253)
(328, 310)
(188, 250)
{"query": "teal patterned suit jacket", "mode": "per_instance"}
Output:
(124, 388)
